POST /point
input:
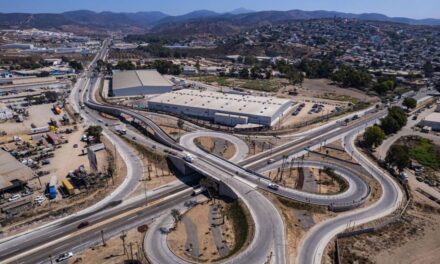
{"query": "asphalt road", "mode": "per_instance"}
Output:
(313, 245)
(79, 241)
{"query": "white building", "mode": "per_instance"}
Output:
(223, 108)
(23, 46)
(138, 83)
(432, 121)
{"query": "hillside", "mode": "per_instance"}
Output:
(204, 21)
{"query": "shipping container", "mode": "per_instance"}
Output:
(68, 186)
(39, 130)
(52, 187)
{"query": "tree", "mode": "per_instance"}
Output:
(125, 65)
(410, 102)
(295, 77)
(244, 73)
(180, 123)
(167, 67)
(95, 132)
(389, 125)
(398, 156)
(350, 77)
(384, 86)
(176, 215)
(398, 114)
(373, 136)
(437, 86)
(254, 72)
(268, 74)
(77, 65)
(428, 69)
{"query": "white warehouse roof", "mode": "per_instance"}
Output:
(139, 78)
(434, 118)
(224, 102)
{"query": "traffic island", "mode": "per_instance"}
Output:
(211, 231)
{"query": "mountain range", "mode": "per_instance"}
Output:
(158, 21)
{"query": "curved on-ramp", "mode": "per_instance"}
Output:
(313, 245)
(357, 192)
(241, 148)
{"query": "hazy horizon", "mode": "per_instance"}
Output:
(421, 9)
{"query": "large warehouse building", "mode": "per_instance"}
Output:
(222, 108)
(136, 83)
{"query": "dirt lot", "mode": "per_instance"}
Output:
(307, 115)
(60, 207)
(298, 218)
(207, 250)
(156, 171)
(416, 239)
(291, 178)
(113, 252)
(217, 146)
(38, 115)
(58, 165)
(173, 132)
(322, 88)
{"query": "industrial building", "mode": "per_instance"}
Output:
(139, 82)
(23, 46)
(222, 108)
(432, 121)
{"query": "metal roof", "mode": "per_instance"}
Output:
(224, 102)
(434, 117)
(137, 78)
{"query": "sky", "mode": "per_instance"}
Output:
(405, 8)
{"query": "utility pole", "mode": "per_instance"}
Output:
(131, 251)
(123, 236)
(102, 237)
(145, 190)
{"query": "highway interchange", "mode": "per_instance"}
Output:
(238, 174)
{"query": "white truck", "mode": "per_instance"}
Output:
(121, 129)
(188, 157)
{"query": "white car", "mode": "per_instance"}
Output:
(14, 197)
(40, 199)
(273, 186)
(64, 256)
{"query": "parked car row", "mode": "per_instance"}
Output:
(298, 109)
(316, 108)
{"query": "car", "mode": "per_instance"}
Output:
(420, 179)
(75, 145)
(83, 224)
(273, 186)
(64, 256)
(40, 199)
(100, 120)
(14, 197)
(270, 161)
(134, 138)
(27, 193)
